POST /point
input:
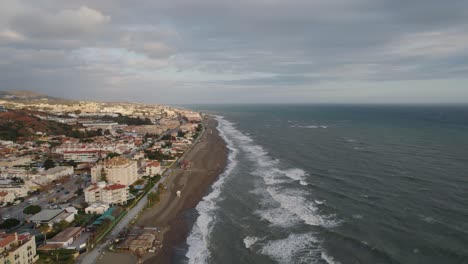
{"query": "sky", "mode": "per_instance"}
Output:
(239, 51)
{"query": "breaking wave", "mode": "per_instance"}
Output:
(198, 239)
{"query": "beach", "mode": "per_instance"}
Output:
(208, 159)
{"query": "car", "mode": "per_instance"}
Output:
(67, 192)
(6, 217)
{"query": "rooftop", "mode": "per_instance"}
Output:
(66, 234)
(46, 215)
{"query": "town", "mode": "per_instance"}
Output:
(71, 170)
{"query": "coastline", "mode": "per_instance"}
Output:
(209, 159)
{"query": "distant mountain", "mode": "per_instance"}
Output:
(32, 97)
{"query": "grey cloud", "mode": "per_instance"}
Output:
(202, 50)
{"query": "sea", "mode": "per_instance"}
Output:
(336, 184)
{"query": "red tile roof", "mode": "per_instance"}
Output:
(114, 187)
(3, 193)
(154, 164)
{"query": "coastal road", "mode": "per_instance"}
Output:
(93, 256)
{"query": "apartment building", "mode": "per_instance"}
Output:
(118, 170)
(111, 194)
(17, 249)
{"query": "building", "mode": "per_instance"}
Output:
(17, 249)
(96, 208)
(153, 168)
(52, 216)
(66, 237)
(18, 189)
(6, 197)
(119, 170)
(82, 156)
(2, 108)
(15, 161)
(58, 172)
(107, 194)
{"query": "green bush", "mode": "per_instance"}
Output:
(32, 209)
(9, 223)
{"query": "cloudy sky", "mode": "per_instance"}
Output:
(218, 51)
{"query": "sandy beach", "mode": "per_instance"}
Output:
(208, 158)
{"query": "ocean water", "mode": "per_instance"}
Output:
(336, 184)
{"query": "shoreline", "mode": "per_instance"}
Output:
(209, 159)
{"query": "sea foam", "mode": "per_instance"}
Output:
(198, 239)
(296, 248)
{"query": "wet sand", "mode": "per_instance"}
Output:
(208, 157)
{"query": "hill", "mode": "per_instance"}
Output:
(25, 96)
(17, 124)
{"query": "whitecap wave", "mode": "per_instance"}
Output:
(329, 259)
(250, 240)
(296, 248)
(310, 126)
(199, 237)
(293, 201)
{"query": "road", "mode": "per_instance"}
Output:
(16, 211)
(93, 256)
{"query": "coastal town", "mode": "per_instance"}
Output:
(75, 176)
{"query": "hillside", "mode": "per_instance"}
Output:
(24, 96)
(17, 124)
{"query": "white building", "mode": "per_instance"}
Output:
(107, 194)
(119, 170)
(96, 208)
(19, 190)
(153, 168)
(58, 172)
(6, 197)
(81, 156)
(16, 161)
(18, 248)
(52, 216)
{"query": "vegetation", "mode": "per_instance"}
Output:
(103, 175)
(62, 256)
(17, 124)
(131, 121)
(32, 209)
(166, 137)
(9, 223)
(48, 164)
(156, 155)
(180, 134)
(112, 155)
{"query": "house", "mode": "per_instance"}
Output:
(17, 248)
(18, 189)
(52, 216)
(82, 155)
(66, 237)
(15, 161)
(58, 172)
(110, 194)
(96, 208)
(118, 170)
(7, 197)
(153, 168)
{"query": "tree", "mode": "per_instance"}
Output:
(72, 163)
(180, 134)
(32, 209)
(112, 155)
(103, 175)
(48, 164)
(9, 223)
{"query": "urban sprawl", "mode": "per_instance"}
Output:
(70, 172)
